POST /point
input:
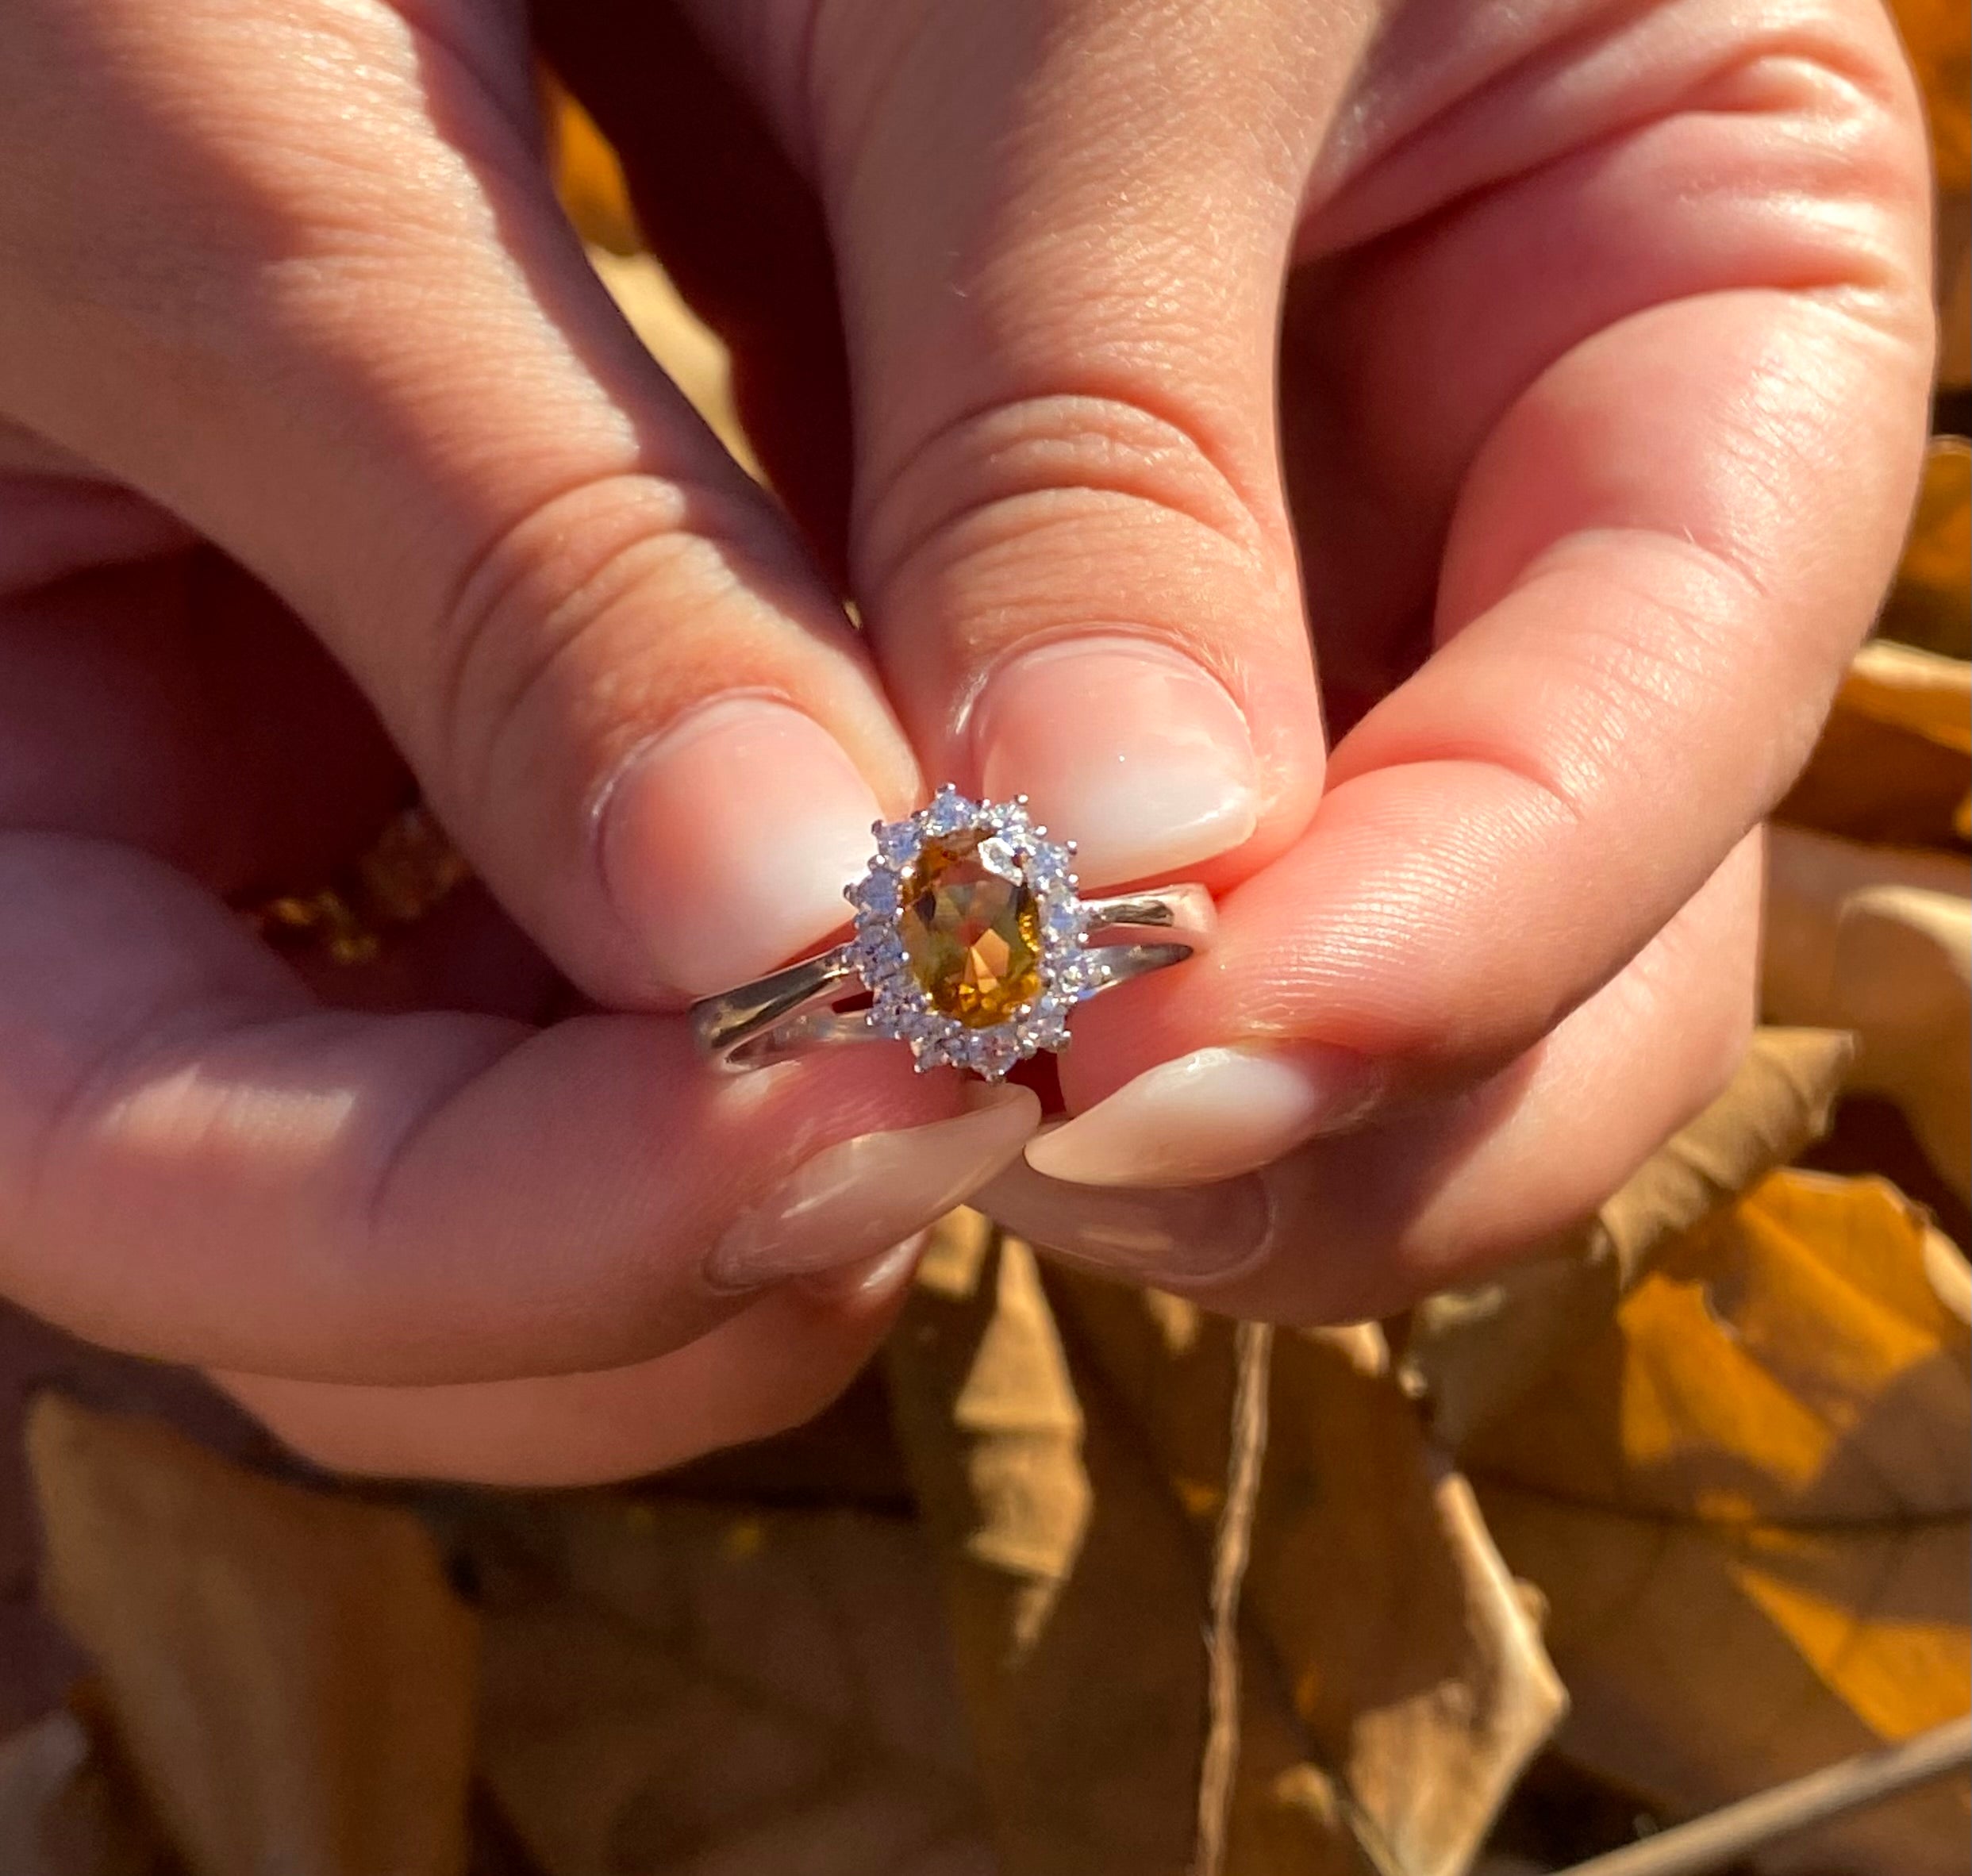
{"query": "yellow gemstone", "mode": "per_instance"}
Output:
(971, 929)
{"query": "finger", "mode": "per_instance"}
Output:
(1060, 307)
(172, 704)
(1361, 1224)
(1675, 151)
(775, 1365)
(1656, 573)
(381, 376)
(198, 1163)
(1658, 560)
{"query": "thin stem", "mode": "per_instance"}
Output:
(1253, 1353)
(1723, 1836)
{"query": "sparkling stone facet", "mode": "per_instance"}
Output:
(971, 929)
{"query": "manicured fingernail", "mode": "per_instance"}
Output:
(854, 1199)
(873, 1282)
(1197, 1234)
(1126, 746)
(727, 841)
(1209, 1116)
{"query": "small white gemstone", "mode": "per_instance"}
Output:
(1080, 976)
(998, 857)
(946, 815)
(878, 950)
(1048, 867)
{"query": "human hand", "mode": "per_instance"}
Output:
(1608, 337)
(1059, 236)
(311, 414)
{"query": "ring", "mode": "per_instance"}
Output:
(972, 946)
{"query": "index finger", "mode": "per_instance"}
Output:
(1657, 568)
(198, 1162)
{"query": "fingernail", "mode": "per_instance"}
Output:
(871, 1283)
(726, 842)
(1209, 1116)
(1126, 746)
(1198, 1234)
(853, 1200)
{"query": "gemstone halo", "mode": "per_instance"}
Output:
(970, 936)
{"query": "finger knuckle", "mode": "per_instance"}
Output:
(515, 651)
(1004, 520)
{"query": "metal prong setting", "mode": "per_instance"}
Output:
(901, 1008)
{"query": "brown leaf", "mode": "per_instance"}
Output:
(1878, 940)
(694, 359)
(1907, 689)
(1474, 1353)
(1894, 763)
(588, 178)
(1937, 38)
(591, 184)
(1410, 1658)
(672, 1687)
(1746, 1501)
(1954, 294)
(1931, 605)
(288, 1670)
(1077, 1595)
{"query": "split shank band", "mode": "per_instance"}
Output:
(793, 1010)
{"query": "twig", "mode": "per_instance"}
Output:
(1712, 1842)
(1253, 1351)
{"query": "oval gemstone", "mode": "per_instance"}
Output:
(971, 929)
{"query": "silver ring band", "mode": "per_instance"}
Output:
(791, 1011)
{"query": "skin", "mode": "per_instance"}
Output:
(1579, 454)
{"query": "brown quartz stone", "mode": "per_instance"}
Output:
(971, 929)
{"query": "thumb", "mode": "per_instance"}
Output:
(300, 278)
(1061, 232)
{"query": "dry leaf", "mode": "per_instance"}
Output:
(1878, 940)
(288, 1670)
(1938, 40)
(678, 1689)
(1907, 689)
(1411, 1659)
(1077, 1596)
(1745, 1502)
(691, 355)
(591, 184)
(1931, 606)
(1894, 763)
(588, 178)
(1955, 295)
(1474, 1353)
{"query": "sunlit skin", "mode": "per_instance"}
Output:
(324, 463)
